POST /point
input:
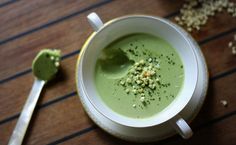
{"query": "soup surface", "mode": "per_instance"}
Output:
(138, 75)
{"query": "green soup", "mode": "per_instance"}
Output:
(138, 75)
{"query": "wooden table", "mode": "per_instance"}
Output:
(27, 26)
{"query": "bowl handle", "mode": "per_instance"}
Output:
(95, 21)
(181, 126)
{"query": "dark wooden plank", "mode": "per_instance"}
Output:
(4, 1)
(6, 132)
(218, 55)
(221, 133)
(98, 137)
(221, 89)
(61, 118)
(63, 84)
(66, 41)
(69, 35)
(221, 22)
(26, 14)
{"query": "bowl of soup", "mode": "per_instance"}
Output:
(138, 71)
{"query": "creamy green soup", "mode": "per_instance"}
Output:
(138, 75)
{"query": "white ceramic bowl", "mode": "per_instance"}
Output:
(123, 26)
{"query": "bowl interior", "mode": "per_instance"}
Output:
(137, 24)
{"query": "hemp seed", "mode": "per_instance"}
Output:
(150, 60)
(142, 99)
(224, 103)
(138, 82)
(234, 50)
(128, 80)
(57, 64)
(127, 91)
(52, 57)
(142, 62)
(134, 91)
(141, 91)
(122, 82)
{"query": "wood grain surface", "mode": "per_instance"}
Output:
(28, 26)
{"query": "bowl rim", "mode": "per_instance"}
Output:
(80, 86)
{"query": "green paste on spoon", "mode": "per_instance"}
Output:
(46, 64)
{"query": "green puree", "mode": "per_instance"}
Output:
(46, 63)
(138, 75)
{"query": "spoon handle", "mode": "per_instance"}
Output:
(25, 116)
